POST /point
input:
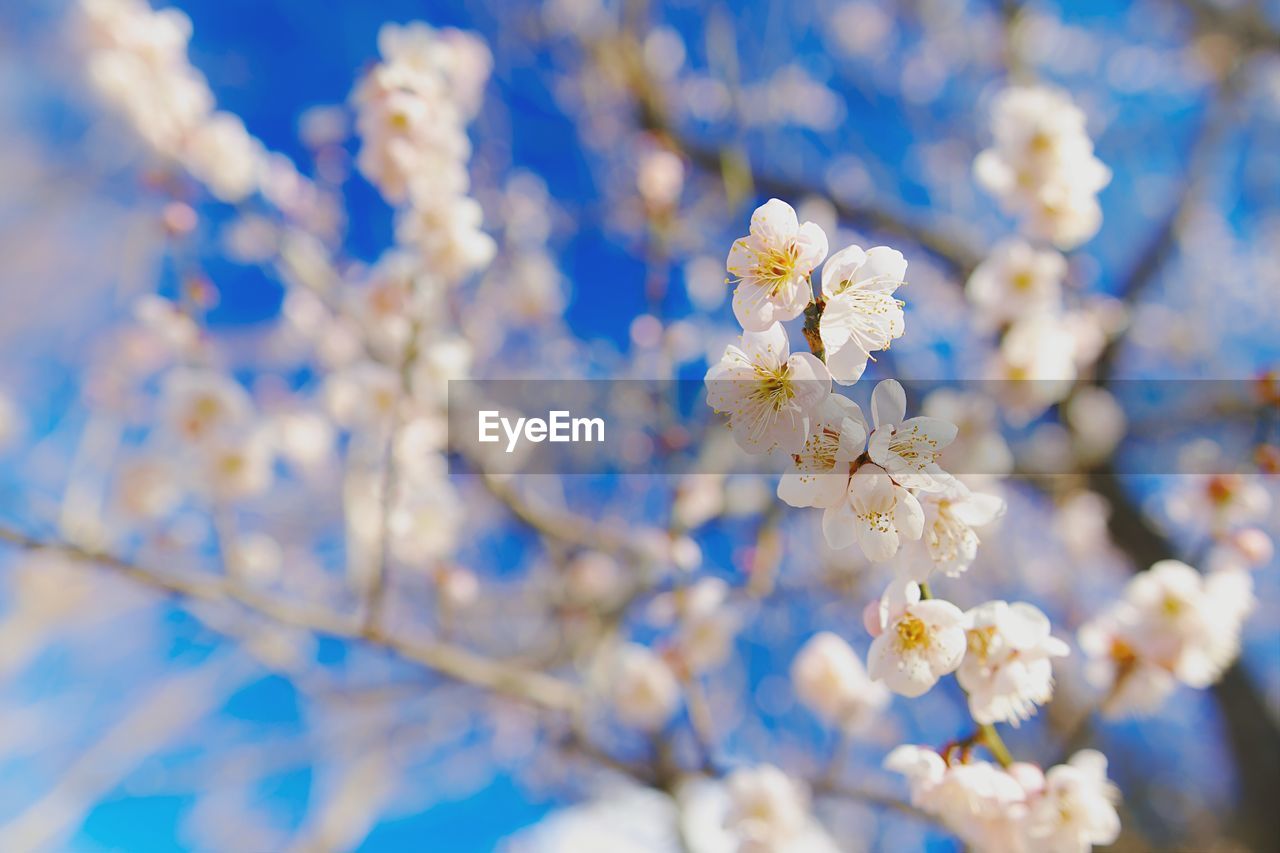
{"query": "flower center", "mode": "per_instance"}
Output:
(912, 633)
(774, 389)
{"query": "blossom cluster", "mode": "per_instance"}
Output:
(1172, 625)
(136, 60)
(1041, 165)
(1042, 168)
(412, 109)
(879, 484)
(1018, 808)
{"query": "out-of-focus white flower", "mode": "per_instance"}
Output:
(830, 679)
(363, 395)
(147, 488)
(772, 265)
(1172, 620)
(907, 448)
(424, 521)
(1008, 668)
(200, 404)
(257, 557)
(820, 470)
(594, 578)
(979, 448)
(1215, 503)
(861, 315)
(224, 157)
(237, 465)
(305, 439)
(457, 587)
(1077, 808)
(660, 177)
(919, 641)
(645, 690)
(1036, 364)
(447, 232)
(1015, 280)
(767, 809)
(706, 623)
(769, 394)
(875, 512)
(1042, 166)
(951, 519)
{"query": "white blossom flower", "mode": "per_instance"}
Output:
(1008, 668)
(950, 519)
(1218, 502)
(199, 404)
(861, 315)
(820, 470)
(769, 394)
(907, 448)
(705, 622)
(1015, 280)
(771, 266)
(1042, 166)
(919, 641)
(767, 809)
(875, 512)
(1171, 619)
(237, 465)
(424, 520)
(645, 693)
(830, 679)
(224, 157)
(1077, 808)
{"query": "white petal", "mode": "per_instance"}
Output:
(841, 269)
(885, 269)
(775, 222)
(888, 403)
(751, 306)
(838, 525)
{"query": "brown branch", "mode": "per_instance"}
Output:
(454, 662)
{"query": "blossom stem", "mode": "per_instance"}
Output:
(812, 334)
(925, 592)
(992, 740)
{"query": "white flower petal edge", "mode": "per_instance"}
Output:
(861, 315)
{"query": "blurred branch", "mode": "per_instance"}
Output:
(653, 115)
(1247, 24)
(448, 660)
(161, 715)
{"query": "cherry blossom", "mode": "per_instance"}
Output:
(951, 520)
(875, 512)
(770, 395)
(646, 693)
(820, 472)
(861, 315)
(1008, 669)
(830, 679)
(918, 643)
(907, 448)
(771, 266)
